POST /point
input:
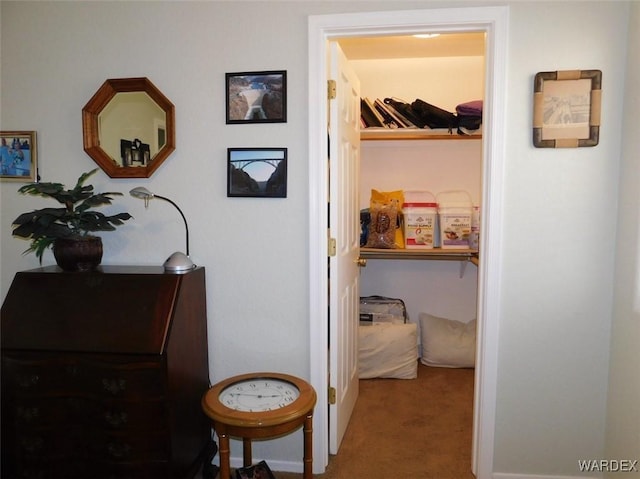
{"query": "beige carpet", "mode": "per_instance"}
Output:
(413, 429)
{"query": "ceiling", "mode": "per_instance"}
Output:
(445, 45)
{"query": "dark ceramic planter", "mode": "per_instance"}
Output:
(78, 253)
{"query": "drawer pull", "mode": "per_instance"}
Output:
(119, 450)
(28, 381)
(116, 419)
(32, 444)
(114, 386)
(28, 414)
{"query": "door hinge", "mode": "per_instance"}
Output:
(331, 247)
(332, 395)
(331, 89)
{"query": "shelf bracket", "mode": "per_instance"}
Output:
(463, 268)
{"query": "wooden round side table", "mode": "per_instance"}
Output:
(260, 406)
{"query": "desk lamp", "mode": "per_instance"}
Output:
(178, 262)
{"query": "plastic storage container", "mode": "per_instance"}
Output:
(474, 240)
(380, 309)
(454, 213)
(420, 212)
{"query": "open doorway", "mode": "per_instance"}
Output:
(418, 165)
(492, 21)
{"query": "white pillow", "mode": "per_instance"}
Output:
(387, 350)
(447, 343)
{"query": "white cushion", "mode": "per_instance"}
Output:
(387, 350)
(447, 343)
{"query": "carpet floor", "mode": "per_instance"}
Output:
(417, 428)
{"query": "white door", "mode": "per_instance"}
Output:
(344, 167)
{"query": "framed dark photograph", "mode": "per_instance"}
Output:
(256, 97)
(257, 172)
(566, 108)
(18, 156)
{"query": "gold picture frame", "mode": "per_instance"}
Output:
(18, 156)
(566, 108)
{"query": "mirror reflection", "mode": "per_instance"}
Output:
(132, 129)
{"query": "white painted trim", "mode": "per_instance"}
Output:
(489, 271)
(318, 245)
(493, 20)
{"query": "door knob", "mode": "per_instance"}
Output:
(362, 262)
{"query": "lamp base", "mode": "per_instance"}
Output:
(178, 262)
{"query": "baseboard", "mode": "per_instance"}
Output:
(293, 466)
(501, 475)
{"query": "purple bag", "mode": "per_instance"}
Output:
(470, 108)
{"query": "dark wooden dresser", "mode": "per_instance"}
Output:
(103, 374)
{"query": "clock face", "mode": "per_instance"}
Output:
(259, 394)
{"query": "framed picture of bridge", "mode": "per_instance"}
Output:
(257, 172)
(256, 97)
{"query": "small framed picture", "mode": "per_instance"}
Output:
(18, 156)
(256, 97)
(257, 172)
(566, 108)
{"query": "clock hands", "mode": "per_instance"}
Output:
(257, 395)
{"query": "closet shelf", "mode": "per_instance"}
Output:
(423, 254)
(463, 255)
(370, 134)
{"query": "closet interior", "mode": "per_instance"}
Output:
(438, 285)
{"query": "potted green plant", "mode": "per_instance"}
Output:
(68, 230)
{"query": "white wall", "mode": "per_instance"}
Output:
(559, 239)
(411, 78)
(623, 412)
(560, 205)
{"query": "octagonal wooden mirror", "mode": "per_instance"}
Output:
(128, 127)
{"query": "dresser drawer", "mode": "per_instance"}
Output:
(90, 445)
(44, 376)
(125, 415)
(44, 467)
(124, 380)
(29, 412)
(125, 447)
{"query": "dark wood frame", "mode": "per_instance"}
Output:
(233, 80)
(572, 93)
(91, 129)
(253, 155)
(30, 137)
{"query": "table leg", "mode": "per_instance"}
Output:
(225, 468)
(246, 451)
(308, 446)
